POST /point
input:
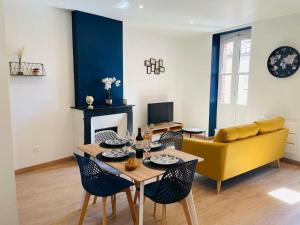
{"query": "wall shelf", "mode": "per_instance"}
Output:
(27, 69)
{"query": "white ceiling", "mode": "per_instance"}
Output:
(183, 17)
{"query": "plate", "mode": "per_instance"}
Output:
(164, 159)
(116, 142)
(115, 153)
(155, 145)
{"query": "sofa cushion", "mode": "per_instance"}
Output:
(269, 125)
(236, 133)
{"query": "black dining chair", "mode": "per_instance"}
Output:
(172, 139)
(99, 137)
(169, 139)
(98, 182)
(174, 186)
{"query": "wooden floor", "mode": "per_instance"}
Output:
(52, 196)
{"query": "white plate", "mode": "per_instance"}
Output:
(115, 153)
(116, 142)
(164, 159)
(156, 144)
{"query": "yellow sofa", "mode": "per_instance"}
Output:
(237, 150)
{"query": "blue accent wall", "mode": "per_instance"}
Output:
(98, 53)
(214, 79)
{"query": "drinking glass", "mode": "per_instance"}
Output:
(147, 143)
(127, 135)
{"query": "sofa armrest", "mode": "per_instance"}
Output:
(213, 153)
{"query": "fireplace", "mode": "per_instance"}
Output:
(115, 129)
(117, 118)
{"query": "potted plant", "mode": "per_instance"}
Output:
(108, 84)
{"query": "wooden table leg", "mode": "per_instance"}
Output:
(137, 192)
(141, 204)
(192, 208)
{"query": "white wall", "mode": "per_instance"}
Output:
(268, 95)
(141, 88)
(8, 209)
(197, 56)
(40, 105)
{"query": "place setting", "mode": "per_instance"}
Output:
(161, 161)
(114, 143)
(115, 150)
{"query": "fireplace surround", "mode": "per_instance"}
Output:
(87, 116)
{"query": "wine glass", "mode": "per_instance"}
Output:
(127, 135)
(147, 143)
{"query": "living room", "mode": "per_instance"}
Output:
(186, 42)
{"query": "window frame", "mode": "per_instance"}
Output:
(236, 38)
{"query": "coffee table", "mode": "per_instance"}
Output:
(193, 130)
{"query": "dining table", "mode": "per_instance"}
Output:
(142, 173)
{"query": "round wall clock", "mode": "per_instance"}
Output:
(283, 62)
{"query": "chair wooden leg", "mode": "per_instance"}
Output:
(84, 207)
(154, 209)
(104, 210)
(164, 215)
(278, 163)
(95, 200)
(219, 183)
(186, 211)
(113, 205)
(131, 205)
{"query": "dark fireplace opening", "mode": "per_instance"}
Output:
(115, 129)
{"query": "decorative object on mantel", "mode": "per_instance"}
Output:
(26, 69)
(108, 82)
(89, 100)
(283, 62)
(124, 101)
(154, 66)
(20, 54)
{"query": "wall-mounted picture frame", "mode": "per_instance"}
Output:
(152, 61)
(160, 62)
(149, 70)
(157, 65)
(154, 66)
(147, 63)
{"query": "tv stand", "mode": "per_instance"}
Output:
(163, 127)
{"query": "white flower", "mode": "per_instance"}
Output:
(104, 80)
(118, 83)
(108, 81)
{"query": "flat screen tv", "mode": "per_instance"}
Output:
(160, 112)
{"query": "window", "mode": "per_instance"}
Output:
(234, 68)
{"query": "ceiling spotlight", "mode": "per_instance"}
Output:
(192, 22)
(123, 4)
(141, 6)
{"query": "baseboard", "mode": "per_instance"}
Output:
(43, 165)
(291, 161)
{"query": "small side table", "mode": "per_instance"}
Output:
(193, 130)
